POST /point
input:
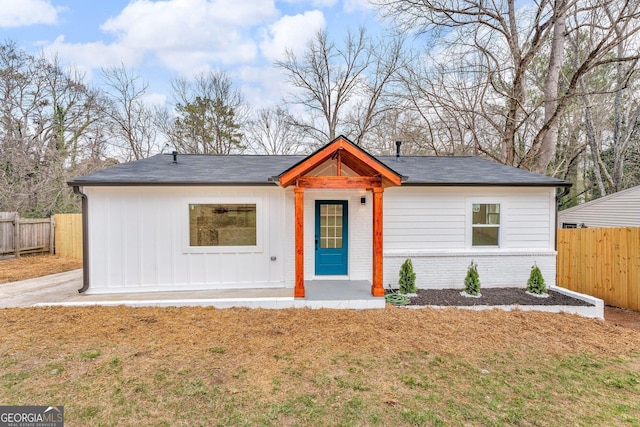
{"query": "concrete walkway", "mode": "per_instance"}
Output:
(54, 288)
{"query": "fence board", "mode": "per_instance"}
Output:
(68, 235)
(24, 235)
(6, 232)
(603, 262)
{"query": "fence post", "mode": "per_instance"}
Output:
(52, 240)
(16, 234)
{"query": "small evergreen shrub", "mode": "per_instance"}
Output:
(472, 281)
(535, 284)
(407, 279)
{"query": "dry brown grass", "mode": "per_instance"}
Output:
(98, 360)
(28, 267)
(203, 366)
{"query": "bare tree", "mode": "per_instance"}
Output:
(342, 88)
(210, 115)
(609, 25)
(272, 132)
(131, 121)
(47, 134)
(500, 44)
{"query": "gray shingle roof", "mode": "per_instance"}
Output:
(193, 169)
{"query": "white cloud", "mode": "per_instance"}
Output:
(351, 6)
(22, 13)
(262, 87)
(94, 55)
(155, 99)
(291, 32)
(189, 33)
(314, 3)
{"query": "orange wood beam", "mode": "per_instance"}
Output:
(377, 290)
(374, 164)
(339, 182)
(308, 164)
(339, 164)
(299, 242)
(350, 155)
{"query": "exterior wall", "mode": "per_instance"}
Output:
(360, 237)
(432, 226)
(139, 240)
(621, 209)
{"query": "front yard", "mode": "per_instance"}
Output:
(200, 366)
(114, 366)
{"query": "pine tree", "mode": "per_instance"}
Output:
(407, 279)
(472, 281)
(535, 284)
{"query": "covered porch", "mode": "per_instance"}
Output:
(340, 165)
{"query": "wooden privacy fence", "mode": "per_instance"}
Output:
(602, 262)
(68, 235)
(24, 235)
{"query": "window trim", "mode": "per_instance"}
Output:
(187, 248)
(470, 226)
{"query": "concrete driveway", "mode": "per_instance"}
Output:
(51, 289)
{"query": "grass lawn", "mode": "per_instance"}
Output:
(114, 366)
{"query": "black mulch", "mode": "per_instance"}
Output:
(491, 296)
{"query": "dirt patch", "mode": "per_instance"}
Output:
(491, 296)
(29, 267)
(622, 317)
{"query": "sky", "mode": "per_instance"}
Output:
(164, 39)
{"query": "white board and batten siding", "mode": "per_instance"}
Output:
(621, 209)
(139, 237)
(432, 227)
(139, 240)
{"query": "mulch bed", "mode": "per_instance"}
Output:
(491, 296)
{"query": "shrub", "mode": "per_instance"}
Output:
(407, 279)
(472, 281)
(535, 284)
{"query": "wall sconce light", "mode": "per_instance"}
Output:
(363, 200)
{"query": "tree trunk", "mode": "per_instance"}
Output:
(594, 148)
(547, 150)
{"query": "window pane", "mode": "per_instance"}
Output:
(222, 225)
(486, 213)
(485, 236)
(330, 226)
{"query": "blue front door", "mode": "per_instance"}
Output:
(332, 241)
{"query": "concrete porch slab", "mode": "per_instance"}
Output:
(347, 294)
(61, 290)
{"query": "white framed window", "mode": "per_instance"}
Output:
(485, 224)
(223, 226)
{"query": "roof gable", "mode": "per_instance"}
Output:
(344, 152)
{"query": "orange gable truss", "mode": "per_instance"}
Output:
(347, 160)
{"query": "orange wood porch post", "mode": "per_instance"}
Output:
(299, 208)
(377, 290)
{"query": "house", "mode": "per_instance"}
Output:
(176, 222)
(621, 209)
